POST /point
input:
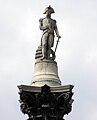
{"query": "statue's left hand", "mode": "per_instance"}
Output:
(59, 36)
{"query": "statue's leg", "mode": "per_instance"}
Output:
(50, 43)
(44, 46)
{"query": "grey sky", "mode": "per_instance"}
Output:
(76, 53)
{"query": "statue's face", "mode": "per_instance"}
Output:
(48, 14)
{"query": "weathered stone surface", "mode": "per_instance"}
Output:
(45, 72)
(39, 55)
(46, 98)
(63, 88)
(45, 103)
(49, 28)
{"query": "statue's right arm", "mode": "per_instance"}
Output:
(41, 25)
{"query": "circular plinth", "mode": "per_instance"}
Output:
(45, 72)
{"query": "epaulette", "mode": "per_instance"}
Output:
(55, 21)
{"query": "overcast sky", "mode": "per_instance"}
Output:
(76, 53)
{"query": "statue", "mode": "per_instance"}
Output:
(48, 26)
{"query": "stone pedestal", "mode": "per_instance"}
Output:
(45, 98)
(45, 72)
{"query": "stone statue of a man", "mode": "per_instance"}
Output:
(48, 26)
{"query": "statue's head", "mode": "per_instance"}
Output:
(49, 10)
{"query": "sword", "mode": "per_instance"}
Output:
(57, 43)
